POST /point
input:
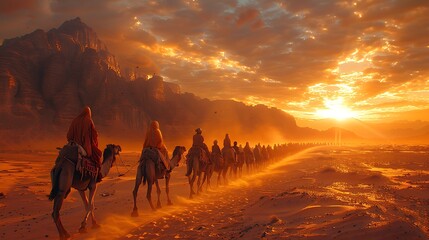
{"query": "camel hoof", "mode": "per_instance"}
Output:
(169, 203)
(82, 230)
(95, 225)
(158, 206)
(135, 213)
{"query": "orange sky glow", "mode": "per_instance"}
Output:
(313, 59)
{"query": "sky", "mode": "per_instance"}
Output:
(313, 59)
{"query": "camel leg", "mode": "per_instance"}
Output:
(240, 171)
(225, 172)
(91, 198)
(199, 183)
(208, 179)
(58, 202)
(89, 207)
(64, 184)
(167, 188)
(82, 228)
(209, 175)
(219, 177)
(235, 171)
(139, 177)
(209, 186)
(191, 184)
(158, 192)
(149, 194)
(204, 176)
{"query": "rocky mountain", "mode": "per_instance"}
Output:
(47, 77)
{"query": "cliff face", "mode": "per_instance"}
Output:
(52, 72)
(47, 77)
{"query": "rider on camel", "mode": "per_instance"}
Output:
(198, 142)
(216, 148)
(154, 140)
(236, 148)
(227, 142)
(82, 132)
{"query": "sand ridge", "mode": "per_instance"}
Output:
(323, 192)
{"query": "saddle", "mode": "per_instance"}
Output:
(157, 157)
(75, 154)
(217, 160)
(198, 152)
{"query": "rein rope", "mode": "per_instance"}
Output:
(123, 163)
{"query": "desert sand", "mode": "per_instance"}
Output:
(327, 192)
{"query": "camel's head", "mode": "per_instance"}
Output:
(179, 151)
(117, 149)
(111, 151)
(109, 157)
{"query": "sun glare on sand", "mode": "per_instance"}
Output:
(336, 110)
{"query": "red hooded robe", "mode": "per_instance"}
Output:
(82, 131)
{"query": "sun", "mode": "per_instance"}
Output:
(336, 110)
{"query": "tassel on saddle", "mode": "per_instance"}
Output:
(89, 168)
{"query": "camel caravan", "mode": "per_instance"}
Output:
(81, 165)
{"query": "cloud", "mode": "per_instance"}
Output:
(248, 16)
(9, 7)
(256, 51)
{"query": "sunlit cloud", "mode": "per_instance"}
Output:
(293, 55)
(335, 108)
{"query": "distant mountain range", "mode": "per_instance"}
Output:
(406, 129)
(46, 78)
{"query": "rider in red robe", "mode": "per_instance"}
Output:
(82, 131)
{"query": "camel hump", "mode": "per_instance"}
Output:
(228, 150)
(150, 153)
(195, 150)
(156, 156)
(69, 152)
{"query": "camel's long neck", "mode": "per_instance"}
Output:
(174, 161)
(105, 167)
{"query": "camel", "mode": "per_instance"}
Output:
(64, 176)
(198, 166)
(148, 172)
(249, 160)
(215, 165)
(208, 172)
(258, 157)
(218, 164)
(228, 154)
(240, 162)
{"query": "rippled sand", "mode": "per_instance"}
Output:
(324, 192)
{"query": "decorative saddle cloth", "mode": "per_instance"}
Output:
(156, 156)
(75, 153)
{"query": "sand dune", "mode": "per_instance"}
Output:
(320, 193)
